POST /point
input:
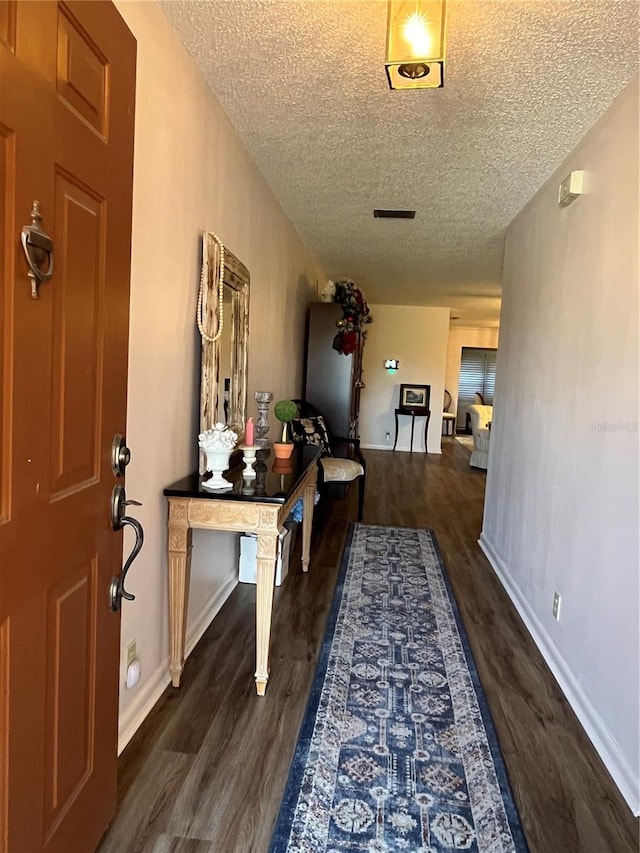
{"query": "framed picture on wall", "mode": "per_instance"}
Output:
(415, 397)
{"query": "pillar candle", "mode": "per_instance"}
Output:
(248, 433)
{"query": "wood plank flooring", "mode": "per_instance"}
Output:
(206, 771)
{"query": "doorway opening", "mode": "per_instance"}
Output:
(476, 383)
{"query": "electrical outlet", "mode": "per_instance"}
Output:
(387, 437)
(131, 652)
(556, 606)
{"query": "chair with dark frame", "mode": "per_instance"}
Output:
(447, 416)
(343, 462)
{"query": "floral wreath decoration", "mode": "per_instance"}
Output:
(355, 315)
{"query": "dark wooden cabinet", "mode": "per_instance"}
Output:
(333, 380)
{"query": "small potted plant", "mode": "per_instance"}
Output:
(285, 411)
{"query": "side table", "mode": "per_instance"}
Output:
(257, 504)
(413, 414)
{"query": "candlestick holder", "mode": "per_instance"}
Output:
(249, 459)
(248, 483)
(262, 398)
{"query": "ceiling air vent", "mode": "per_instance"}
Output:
(394, 214)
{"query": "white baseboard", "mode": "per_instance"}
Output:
(591, 721)
(134, 715)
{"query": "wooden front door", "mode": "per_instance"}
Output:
(67, 88)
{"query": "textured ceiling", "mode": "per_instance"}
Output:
(303, 82)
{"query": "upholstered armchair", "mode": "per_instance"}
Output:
(480, 421)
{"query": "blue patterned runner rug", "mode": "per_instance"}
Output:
(397, 751)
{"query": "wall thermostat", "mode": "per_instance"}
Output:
(570, 188)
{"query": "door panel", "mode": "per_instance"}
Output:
(77, 348)
(4, 734)
(27, 332)
(7, 189)
(66, 139)
(81, 73)
(71, 675)
(8, 10)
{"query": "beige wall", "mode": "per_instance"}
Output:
(459, 337)
(191, 174)
(561, 510)
(418, 337)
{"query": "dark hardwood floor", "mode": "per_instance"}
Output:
(205, 772)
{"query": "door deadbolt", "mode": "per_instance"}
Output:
(120, 455)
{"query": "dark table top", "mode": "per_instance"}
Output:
(415, 412)
(275, 478)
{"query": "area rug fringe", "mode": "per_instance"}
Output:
(397, 751)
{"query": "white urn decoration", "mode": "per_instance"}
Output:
(328, 291)
(218, 444)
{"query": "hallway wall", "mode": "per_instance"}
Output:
(561, 511)
(191, 173)
(417, 336)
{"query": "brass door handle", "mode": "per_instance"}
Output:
(38, 249)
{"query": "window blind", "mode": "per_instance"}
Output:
(477, 375)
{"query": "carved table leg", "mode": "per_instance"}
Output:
(179, 576)
(266, 570)
(308, 504)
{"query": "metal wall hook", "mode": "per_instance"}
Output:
(38, 249)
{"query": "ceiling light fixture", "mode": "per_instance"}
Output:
(415, 44)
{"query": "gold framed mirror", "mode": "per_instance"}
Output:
(223, 376)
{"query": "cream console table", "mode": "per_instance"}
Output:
(257, 504)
